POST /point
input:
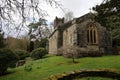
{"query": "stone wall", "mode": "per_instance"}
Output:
(103, 37)
(57, 22)
(74, 34)
(79, 74)
(53, 43)
(69, 36)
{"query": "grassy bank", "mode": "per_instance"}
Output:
(51, 65)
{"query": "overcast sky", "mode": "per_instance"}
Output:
(78, 7)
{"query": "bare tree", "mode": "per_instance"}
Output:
(23, 8)
(17, 12)
(51, 27)
(68, 16)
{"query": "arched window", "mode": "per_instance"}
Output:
(92, 34)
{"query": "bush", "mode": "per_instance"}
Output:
(38, 53)
(2, 44)
(22, 54)
(115, 50)
(7, 58)
(43, 43)
(28, 67)
(31, 46)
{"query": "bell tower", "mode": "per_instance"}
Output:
(58, 22)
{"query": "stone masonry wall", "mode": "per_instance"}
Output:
(68, 36)
(53, 43)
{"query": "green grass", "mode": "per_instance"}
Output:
(52, 65)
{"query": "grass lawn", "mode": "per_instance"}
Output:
(51, 65)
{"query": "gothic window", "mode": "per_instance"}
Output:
(75, 39)
(78, 37)
(92, 36)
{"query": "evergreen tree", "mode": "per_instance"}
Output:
(2, 44)
(38, 30)
(43, 43)
(31, 46)
(108, 14)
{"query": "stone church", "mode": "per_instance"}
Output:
(84, 33)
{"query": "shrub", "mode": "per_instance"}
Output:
(38, 53)
(31, 46)
(7, 58)
(2, 44)
(28, 67)
(43, 43)
(115, 50)
(22, 54)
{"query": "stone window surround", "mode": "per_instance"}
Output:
(92, 34)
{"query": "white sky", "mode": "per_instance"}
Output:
(78, 7)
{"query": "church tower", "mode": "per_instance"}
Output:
(58, 22)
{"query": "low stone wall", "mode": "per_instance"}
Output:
(114, 74)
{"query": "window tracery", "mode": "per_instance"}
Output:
(92, 34)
